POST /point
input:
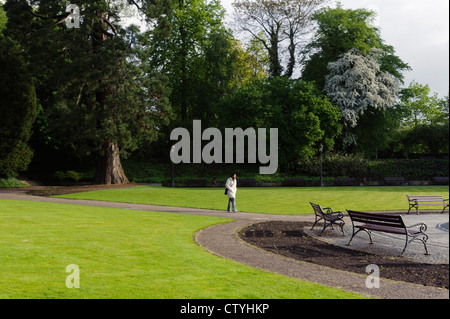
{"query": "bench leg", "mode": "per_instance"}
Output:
(315, 223)
(416, 206)
(324, 226)
(424, 240)
(404, 248)
(354, 234)
(342, 227)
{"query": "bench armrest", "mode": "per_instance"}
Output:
(327, 210)
(422, 227)
(339, 215)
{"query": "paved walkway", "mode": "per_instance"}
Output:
(222, 241)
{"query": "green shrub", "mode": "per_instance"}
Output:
(413, 170)
(59, 176)
(69, 176)
(336, 165)
(11, 183)
(72, 176)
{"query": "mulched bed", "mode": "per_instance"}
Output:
(289, 239)
(62, 190)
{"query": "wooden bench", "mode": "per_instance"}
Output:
(393, 224)
(329, 217)
(395, 181)
(426, 200)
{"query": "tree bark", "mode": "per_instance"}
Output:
(109, 168)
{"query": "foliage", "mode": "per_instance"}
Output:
(193, 28)
(17, 109)
(426, 139)
(95, 97)
(336, 165)
(69, 176)
(340, 30)
(11, 183)
(303, 116)
(357, 85)
(411, 170)
(274, 22)
(2, 18)
(420, 107)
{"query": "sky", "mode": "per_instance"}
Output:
(419, 32)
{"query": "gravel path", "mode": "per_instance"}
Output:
(221, 240)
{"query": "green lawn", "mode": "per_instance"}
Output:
(270, 200)
(125, 254)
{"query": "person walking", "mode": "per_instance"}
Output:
(231, 186)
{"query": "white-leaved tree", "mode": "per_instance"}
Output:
(356, 84)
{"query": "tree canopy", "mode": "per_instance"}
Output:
(339, 31)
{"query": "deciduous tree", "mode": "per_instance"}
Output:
(272, 22)
(340, 30)
(358, 86)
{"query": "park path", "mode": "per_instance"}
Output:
(221, 240)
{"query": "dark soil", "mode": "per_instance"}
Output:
(61, 190)
(289, 239)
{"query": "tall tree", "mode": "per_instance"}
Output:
(191, 24)
(17, 109)
(357, 85)
(304, 116)
(2, 18)
(94, 94)
(421, 106)
(272, 22)
(340, 30)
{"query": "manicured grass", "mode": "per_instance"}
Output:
(271, 200)
(125, 254)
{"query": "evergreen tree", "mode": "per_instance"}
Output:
(17, 110)
(95, 96)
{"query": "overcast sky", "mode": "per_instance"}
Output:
(419, 32)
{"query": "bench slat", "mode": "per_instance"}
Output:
(387, 229)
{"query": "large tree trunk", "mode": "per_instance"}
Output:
(109, 169)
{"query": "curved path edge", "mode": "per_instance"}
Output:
(221, 240)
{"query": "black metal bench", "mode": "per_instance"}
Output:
(329, 217)
(393, 224)
(426, 200)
